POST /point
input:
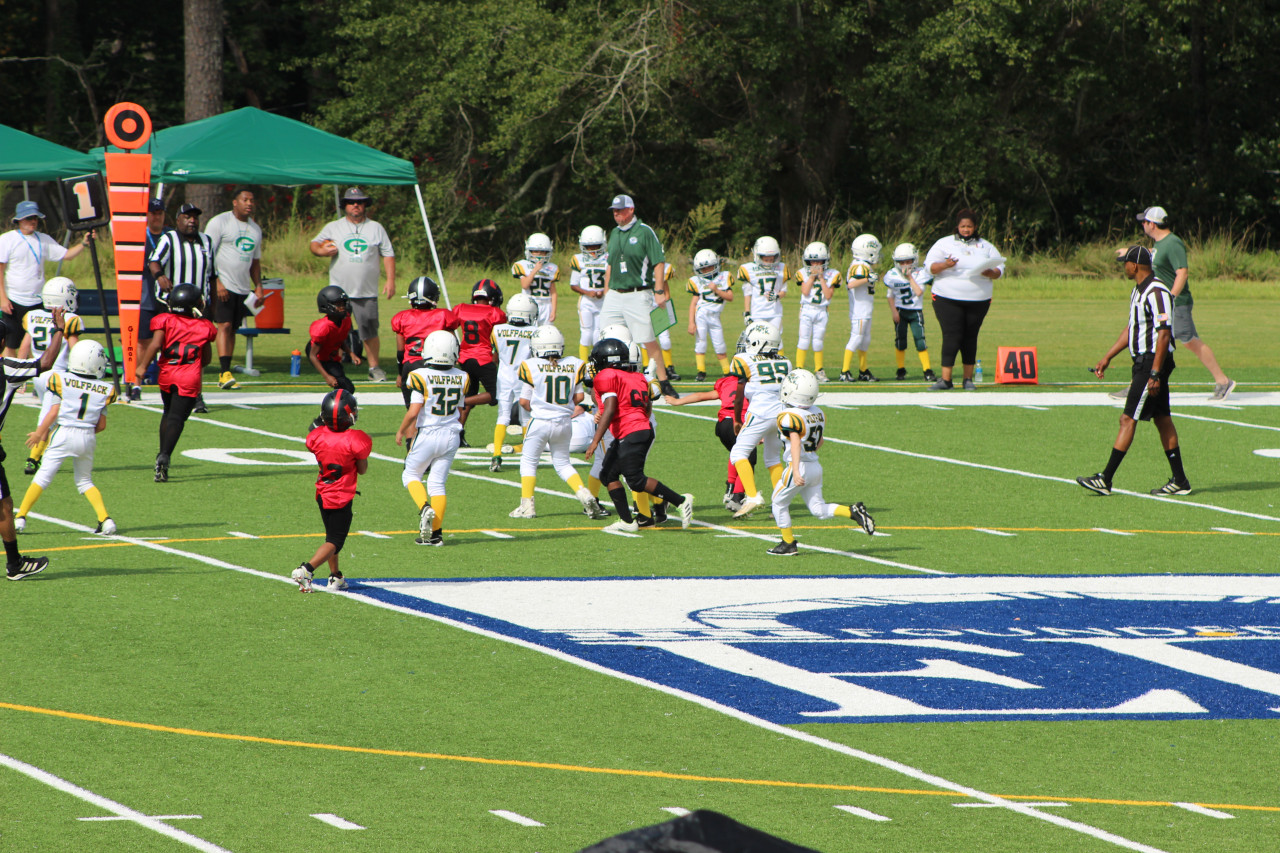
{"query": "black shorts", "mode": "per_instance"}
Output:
(482, 375)
(232, 311)
(724, 432)
(1141, 404)
(13, 324)
(337, 523)
(334, 369)
(4, 480)
(625, 460)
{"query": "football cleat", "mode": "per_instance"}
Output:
(749, 506)
(525, 510)
(784, 549)
(866, 376)
(902, 374)
(106, 527)
(686, 511)
(20, 523)
(162, 472)
(604, 511)
(462, 439)
(644, 522)
(673, 375)
(862, 518)
(426, 515)
(929, 376)
(621, 526)
(437, 538)
(1096, 483)
(735, 501)
(302, 577)
(227, 382)
(495, 464)
(821, 375)
(27, 567)
(201, 408)
(700, 376)
(1173, 487)
(659, 512)
(847, 376)
(33, 465)
(338, 583)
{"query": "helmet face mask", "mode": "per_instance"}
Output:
(610, 352)
(866, 248)
(762, 340)
(333, 302)
(706, 263)
(817, 253)
(537, 249)
(800, 388)
(592, 240)
(905, 253)
(766, 252)
(547, 342)
(423, 292)
(487, 292)
(59, 292)
(88, 358)
(186, 299)
(339, 410)
(440, 349)
(522, 310)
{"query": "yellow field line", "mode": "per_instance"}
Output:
(576, 768)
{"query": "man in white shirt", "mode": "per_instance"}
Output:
(23, 252)
(237, 249)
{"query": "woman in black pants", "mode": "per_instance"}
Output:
(964, 268)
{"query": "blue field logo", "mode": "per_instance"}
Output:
(843, 649)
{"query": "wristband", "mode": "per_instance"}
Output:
(1155, 375)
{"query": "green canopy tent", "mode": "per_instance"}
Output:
(255, 147)
(24, 157)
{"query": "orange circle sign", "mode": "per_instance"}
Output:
(128, 126)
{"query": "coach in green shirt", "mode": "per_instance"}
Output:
(635, 282)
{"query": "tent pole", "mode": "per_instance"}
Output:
(422, 208)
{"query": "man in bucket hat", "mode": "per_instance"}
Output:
(23, 254)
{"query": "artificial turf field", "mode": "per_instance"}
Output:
(174, 670)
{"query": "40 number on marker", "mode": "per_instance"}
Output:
(1017, 366)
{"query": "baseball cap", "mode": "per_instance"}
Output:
(355, 194)
(190, 208)
(26, 209)
(1154, 215)
(1139, 255)
(155, 206)
(622, 202)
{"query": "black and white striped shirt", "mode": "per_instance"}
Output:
(1150, 310)
(13, 373)
(186, 261)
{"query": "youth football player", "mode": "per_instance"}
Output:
(413, 324)
(511, 347)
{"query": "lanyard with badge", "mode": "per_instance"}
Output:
(39, 256)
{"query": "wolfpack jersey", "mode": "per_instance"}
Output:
(38, 323)
(700, 286)
(816, 297)
(441, 393)
(764, 380)
(767, 282)
(904, 298)
(808, 424)
(587, 273)
(861, 299)
(511, 346)
(83, 400)
(540, 287)
(552, 385)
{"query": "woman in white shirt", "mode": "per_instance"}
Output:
(964, 269)
(23, 253)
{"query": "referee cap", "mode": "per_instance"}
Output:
(622, 202)
(189, 209)
(1139, 255)
(1154, 215)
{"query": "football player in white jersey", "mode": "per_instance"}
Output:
(538, 275)
(550, 389)
(764, 283)
(510, 347)
(438, 390)
(904, 286)
(710, 289)
(586, 278)
(80, 412)
(800, 427)
(59, 292)
(818, 282)
(760, 369)
(861, 284)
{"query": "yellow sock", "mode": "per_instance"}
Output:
(499, 436)
(583, 352)
(724, 363)
(418, 491)
(775, 473)
(700, 359)
(787, 535)
(39, 449)
(29, 499)
(748, 477)
(95, 500)
(517, 448)
(848, 361)
(438, 503)
(862, 359)
(574, 482)
(526, 486)
(817, 361)
(842, 511)
(593, 486)
(801, 355)
(666, 357)
(642, 503)
(924, 358)
(901, 355)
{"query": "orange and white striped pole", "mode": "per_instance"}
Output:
(129, 190)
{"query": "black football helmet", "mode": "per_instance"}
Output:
(186, 299)
(424, 292)
(332, 301)
(610, 352)
(338, 410)
(486, 290)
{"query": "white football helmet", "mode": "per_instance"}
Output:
(88, 358)
(635, 354)
(537, 248)
(440, 349)
(799, 388)
(762, 340)
(59, 292)
(766, 247)
(592, 240)
(817, 253)
(866, 248)
(522, 310)
(617, 331)
(547, 342)
(859, 270)
(905, 253)
(706, 263)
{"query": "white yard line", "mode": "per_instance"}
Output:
(988, 530)
(854, 810)
(515, 818)
(1207, 812)
(335, 821)
(677, 811)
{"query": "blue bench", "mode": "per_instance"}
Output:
(90, 309)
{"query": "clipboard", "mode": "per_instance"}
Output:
(662, 317)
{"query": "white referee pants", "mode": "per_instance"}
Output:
(434, 449)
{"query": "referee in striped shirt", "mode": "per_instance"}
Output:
(1149, 338)
(184, 256)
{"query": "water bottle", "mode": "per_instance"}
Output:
(295, 364)
(977, 372)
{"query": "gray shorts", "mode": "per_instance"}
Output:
(1184, 328)
(364, 316)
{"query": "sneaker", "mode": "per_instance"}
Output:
(901, 374)
(1122, 394)
(969, 386)
(106, 527)
(27, 567)
(821, 375)
(1096, 483)
(941, 385)
(33, 465)
(748, 506)
(673, 375)
(201, 408)
(784, 549)
(20, 523)
(162, 471)
(862, 518)
(377, 374)
(495, 464)
(643, 522)
(846, 376)
(686, 511)
(302, 576)
(227, 382)
(866, 376)
(1173, 487)
(621, 526)
(525, 510)
(659, 512)
(929, 376)
(700, 376)
(1221, 392)
(735, 501)
(426, 515)
(338, 583)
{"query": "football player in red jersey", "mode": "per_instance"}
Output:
(725, 390)
(343, 455)
(476, 356)
(625, 402)
(329, 337)
(182, 338)
(413, 324)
